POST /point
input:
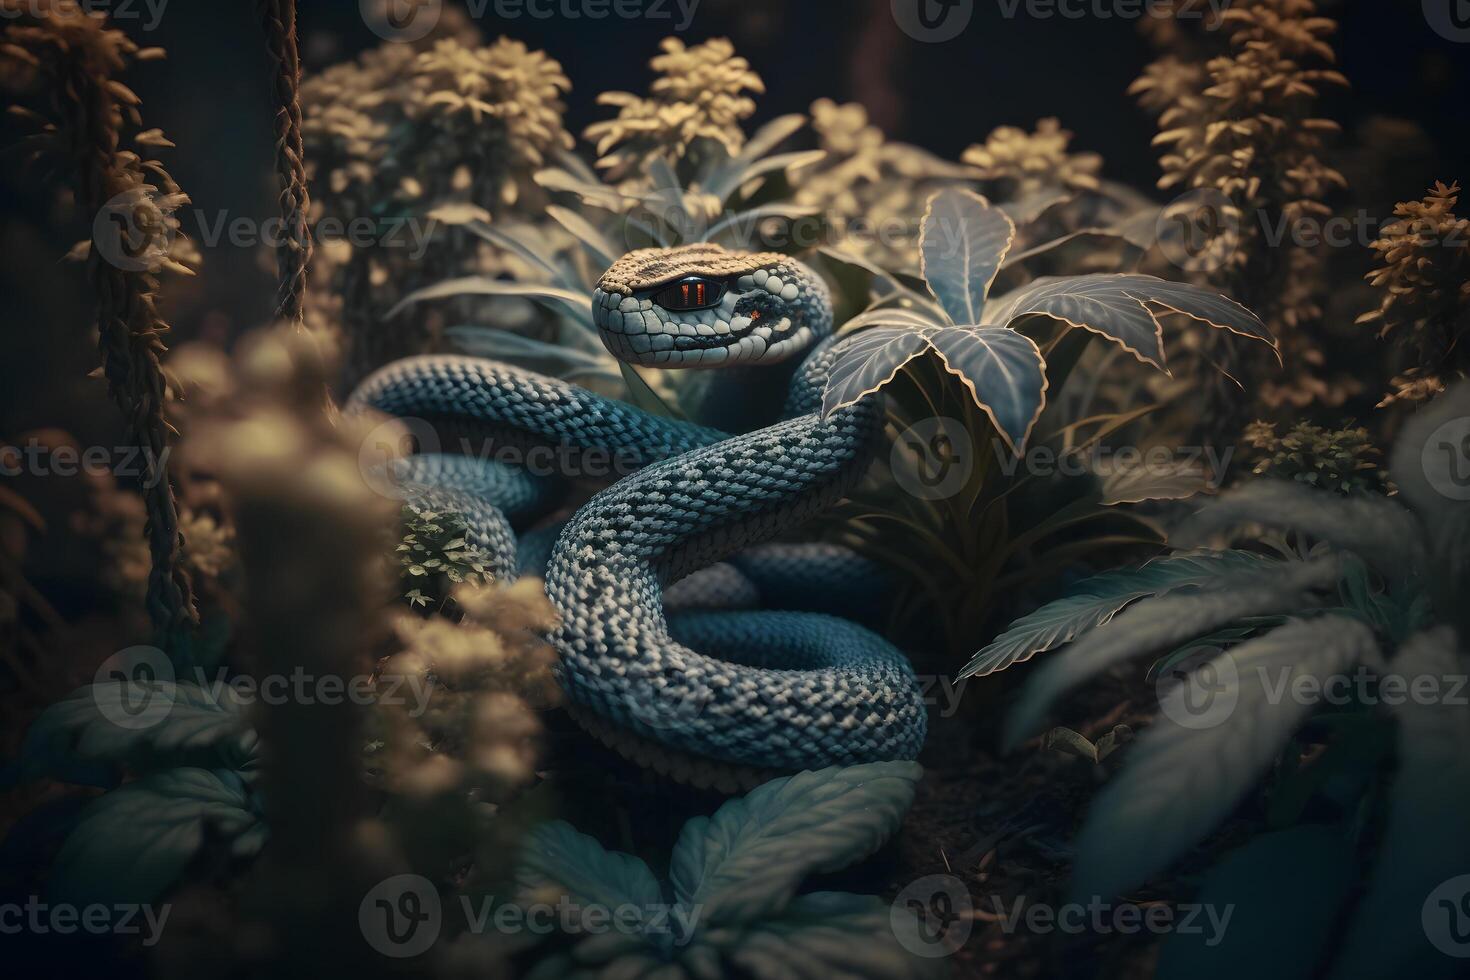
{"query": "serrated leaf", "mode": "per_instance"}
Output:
(133, 844)
(203, 727)
(1004, 371)
(1424, 843)
(868, 361)
(962, 243)
(746, 861)
(1154, 625)
(1281, 893)
(1121, 308)
(1096, 600)
(555, 854)
(1179, 782)
(1380, 531)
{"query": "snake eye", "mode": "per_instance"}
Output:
(693, 293)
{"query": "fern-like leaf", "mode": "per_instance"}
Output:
(1179, 782)
(1096, 600)
(1156, 625)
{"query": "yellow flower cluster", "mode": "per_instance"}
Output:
(1021, 164)
(700, 95)
(1424, 282)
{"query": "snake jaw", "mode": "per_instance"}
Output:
(769, 308)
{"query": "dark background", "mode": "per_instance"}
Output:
(210, 96)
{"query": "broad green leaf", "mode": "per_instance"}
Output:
(1154, 625)
(603, 251)
(1096, 600)
(1425, 844)
(1380, 531)
(1190, 769)
(555, 854)
(1268, 909)
(868, 361)
(1122, 309)
(202, 727)
(505, 345)
(962, 243)
(822, 935)
(592, 192)
(1430, 463)
(746, 861)
(1004, 371)
(133, 844)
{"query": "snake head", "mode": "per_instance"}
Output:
(704, 306)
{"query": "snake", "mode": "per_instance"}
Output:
(663, 581)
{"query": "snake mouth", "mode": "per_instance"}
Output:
(736, 327)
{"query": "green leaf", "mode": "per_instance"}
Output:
(962, 243)
(746, 861)
(1192, 766)
(603, 251)
(1425, 843)
(1282, 893)
(202, 727)
(1003, 370)
(867, 362)
(1121, 308)
(1154, 625)
(1096, 600)
(133, 844)
(555, 854)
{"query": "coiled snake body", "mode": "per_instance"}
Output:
(767, 689)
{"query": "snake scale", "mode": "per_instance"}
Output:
(757, 690)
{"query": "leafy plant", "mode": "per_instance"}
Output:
(733, 886)
(1378, 594)
(1009, 353)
